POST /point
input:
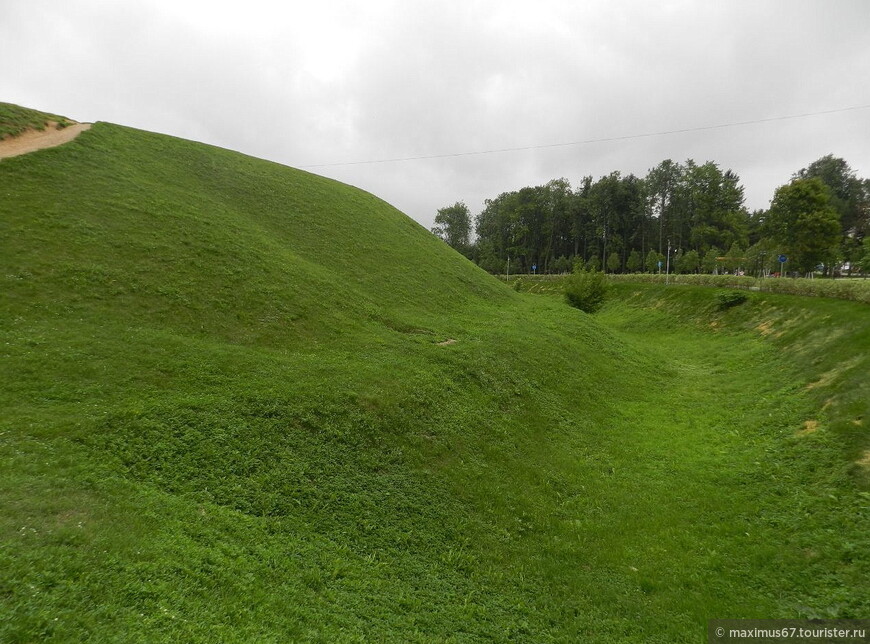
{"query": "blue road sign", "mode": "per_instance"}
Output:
(783, 259)
(534, 267)
(660, 263)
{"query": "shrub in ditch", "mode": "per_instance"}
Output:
(586, 290)
(728, 299)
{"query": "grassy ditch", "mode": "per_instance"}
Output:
(827, 341)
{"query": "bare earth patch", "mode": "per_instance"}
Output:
(864, 461)
(446, 342)
(765, 328)
(33, 140)
(810, 426)
(829, 376)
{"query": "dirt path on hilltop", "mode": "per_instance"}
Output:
(32, 140)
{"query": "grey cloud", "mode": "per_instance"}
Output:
(351, 81)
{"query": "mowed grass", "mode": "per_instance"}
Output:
(231, 413)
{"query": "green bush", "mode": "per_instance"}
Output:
(586, 290)
(727, 299)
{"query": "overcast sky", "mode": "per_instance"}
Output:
(334, 81)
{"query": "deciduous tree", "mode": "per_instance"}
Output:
(804, 222)
(453, 225)
(689, 262)
(613, 263)
(850, 196)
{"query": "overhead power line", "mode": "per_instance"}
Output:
(626, 137)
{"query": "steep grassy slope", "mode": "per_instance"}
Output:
(192, 238)
(230, 413)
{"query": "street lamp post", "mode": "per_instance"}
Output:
(668, 265)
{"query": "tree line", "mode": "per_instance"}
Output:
(682, 217)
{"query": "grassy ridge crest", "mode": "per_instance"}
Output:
(15, 119)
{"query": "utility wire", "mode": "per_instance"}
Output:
(588, 141)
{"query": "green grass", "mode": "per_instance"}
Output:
(856, 289)
(229, 414)
(15, 119)
(826, 340)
